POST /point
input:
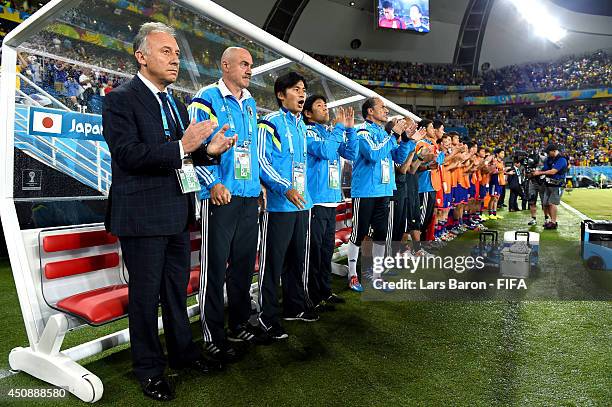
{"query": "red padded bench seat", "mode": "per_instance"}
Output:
(65, 268)
(338, 242)
(342, 236)
(106, 304)
(344, 216)
(77, 240)
(342, 207)
(98, 306)
(194, 280)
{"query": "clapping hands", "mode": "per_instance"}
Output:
(346, 117)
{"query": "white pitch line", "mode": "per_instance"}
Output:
(581, 215)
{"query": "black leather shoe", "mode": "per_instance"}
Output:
(157, 388)
(324, 306)
(200, 364)
(335, 299)
(205, 366)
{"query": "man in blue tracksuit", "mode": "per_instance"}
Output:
(373, 182)
(229, 208)
(285, 226)
(325, 147)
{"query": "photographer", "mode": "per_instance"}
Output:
(555, 167)
(516, 179)
(534, 186)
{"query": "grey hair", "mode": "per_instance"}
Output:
(140, 42)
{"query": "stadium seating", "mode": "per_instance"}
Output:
(404, 72)
(571, 72)
(568, 73)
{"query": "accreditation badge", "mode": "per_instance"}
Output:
(299, 178)
(242, 163)
(386, 171)
(333, 175)
(187, 178)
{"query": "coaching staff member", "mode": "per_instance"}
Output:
(149, 134)
(229, 209)
(285, 229)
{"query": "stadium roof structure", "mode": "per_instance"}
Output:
(204, 30)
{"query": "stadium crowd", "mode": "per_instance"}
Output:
(403, 72)
(73, 83)
(582, 129)
(568, 73)
(23, 5)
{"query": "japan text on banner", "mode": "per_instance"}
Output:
(60, 123)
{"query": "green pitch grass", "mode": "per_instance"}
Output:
(537, 353)
(594, 203)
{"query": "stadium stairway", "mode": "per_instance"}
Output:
(592, 172)
(83, 160)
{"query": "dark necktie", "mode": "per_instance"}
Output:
(169, 118)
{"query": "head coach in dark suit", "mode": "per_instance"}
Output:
(149, 136)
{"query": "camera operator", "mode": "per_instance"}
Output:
(534, 186)
(555, 167)
(516, 179)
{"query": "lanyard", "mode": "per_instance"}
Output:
(175, 111)
(230, 119)
(290, 137)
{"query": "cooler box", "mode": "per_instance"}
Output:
(515, 260)
(488, 248)
(596, 238)
(532, 239)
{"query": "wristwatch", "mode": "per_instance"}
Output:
(205, 145)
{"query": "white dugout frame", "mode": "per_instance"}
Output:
(43, 358)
